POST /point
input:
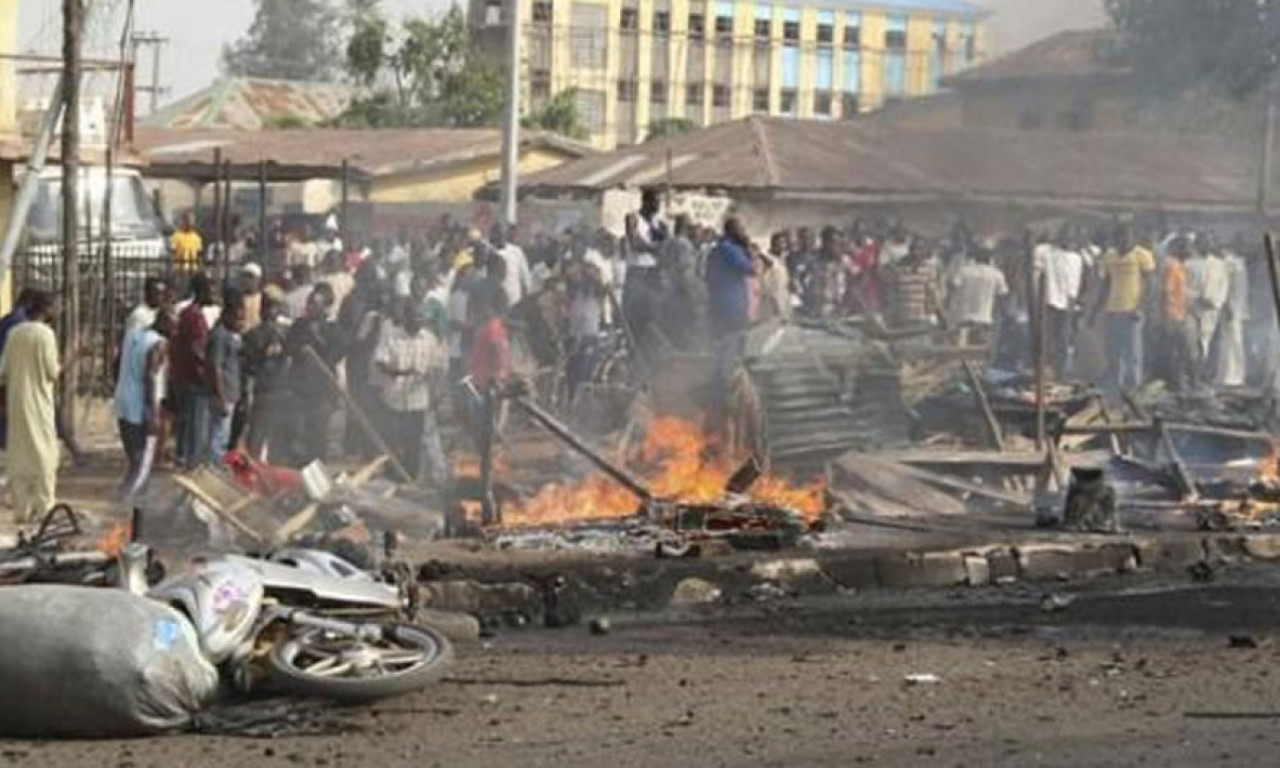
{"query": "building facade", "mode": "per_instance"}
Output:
(636, 63)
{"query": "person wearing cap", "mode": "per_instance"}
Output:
(250, 288)
(411, 362)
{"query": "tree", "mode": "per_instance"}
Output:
(559, 114)
(671, 126)
(288, 40)
(427, 72)
(1175, 45)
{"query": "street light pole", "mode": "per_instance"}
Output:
(511, 118)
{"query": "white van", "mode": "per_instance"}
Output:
(138, 242)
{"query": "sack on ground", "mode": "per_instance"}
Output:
(83, 662)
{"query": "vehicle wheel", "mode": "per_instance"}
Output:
(321, 664)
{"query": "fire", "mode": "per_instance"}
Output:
(112, 542)
(1269, 466)
(677, 462)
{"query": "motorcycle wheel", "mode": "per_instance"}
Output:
(318, 664)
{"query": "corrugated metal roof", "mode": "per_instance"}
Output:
(252, 104)
(881, 159)
(1074, 54)
(320, 151)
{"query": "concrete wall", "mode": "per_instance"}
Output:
(457, 183)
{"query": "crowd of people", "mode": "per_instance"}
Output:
(388, 332)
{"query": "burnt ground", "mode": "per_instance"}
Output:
(1132, 672)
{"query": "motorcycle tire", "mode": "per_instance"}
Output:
(287, 676)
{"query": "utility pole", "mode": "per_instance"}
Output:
(156, 41)
(511, 121)
(1267, 165)
(72, 21)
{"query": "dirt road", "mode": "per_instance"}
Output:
(1108, 681)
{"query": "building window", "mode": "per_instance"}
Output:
(764, 29)
(822, 103)
(724, 26)
(492, 13)
(587, 43)
(658, 92)
(853, 36)
(791, 31)
(720, 96)
(693, 94)
(697, 26)
(760, 101)
(1079, 117)
(627, 90)
(541, 12)
(849, 105)
(591, 109)
(629, 21)
(895, 40)
(540, 85)
(826, 27)
(661, 22)
(788, 102)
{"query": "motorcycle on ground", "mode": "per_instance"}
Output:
(301, 621)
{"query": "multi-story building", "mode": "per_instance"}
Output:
(634, 63)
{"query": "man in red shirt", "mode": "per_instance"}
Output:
(490, 367)
(189, 375)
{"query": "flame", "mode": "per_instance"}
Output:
(1269, 466)
(112, 542)
(677, 462)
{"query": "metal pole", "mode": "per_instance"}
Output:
(1039, 344)
(263, 246)
(343, 227)
(511, 120)
(72, 12)
(108, 268)
(1266, 169)
(227, 231)
(155, 74)
(30, 183)
(217, 199)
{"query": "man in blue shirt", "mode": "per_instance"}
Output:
(729, 270)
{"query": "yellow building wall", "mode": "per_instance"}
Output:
(8, 82)
(458, 183)
(871, 94)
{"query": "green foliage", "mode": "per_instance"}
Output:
(433, 75)
(1174, 45)
(285, 122)
(671, 126)
(559, 114)
(288, 40)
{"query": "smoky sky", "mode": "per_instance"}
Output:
(199, 28)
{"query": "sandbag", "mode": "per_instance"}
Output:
(81, 662)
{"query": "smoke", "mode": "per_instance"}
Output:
(1016, 23)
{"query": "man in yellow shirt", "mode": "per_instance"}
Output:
(1127, 270)
(186, 246)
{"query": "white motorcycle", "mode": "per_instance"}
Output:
(303, 621)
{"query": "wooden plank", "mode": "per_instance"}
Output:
(192, 486)
(894, 483)
(307, 514)
(994, 434)
(955, 483)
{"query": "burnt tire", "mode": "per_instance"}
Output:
(314, 664)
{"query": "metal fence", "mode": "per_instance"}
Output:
(41, 267)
